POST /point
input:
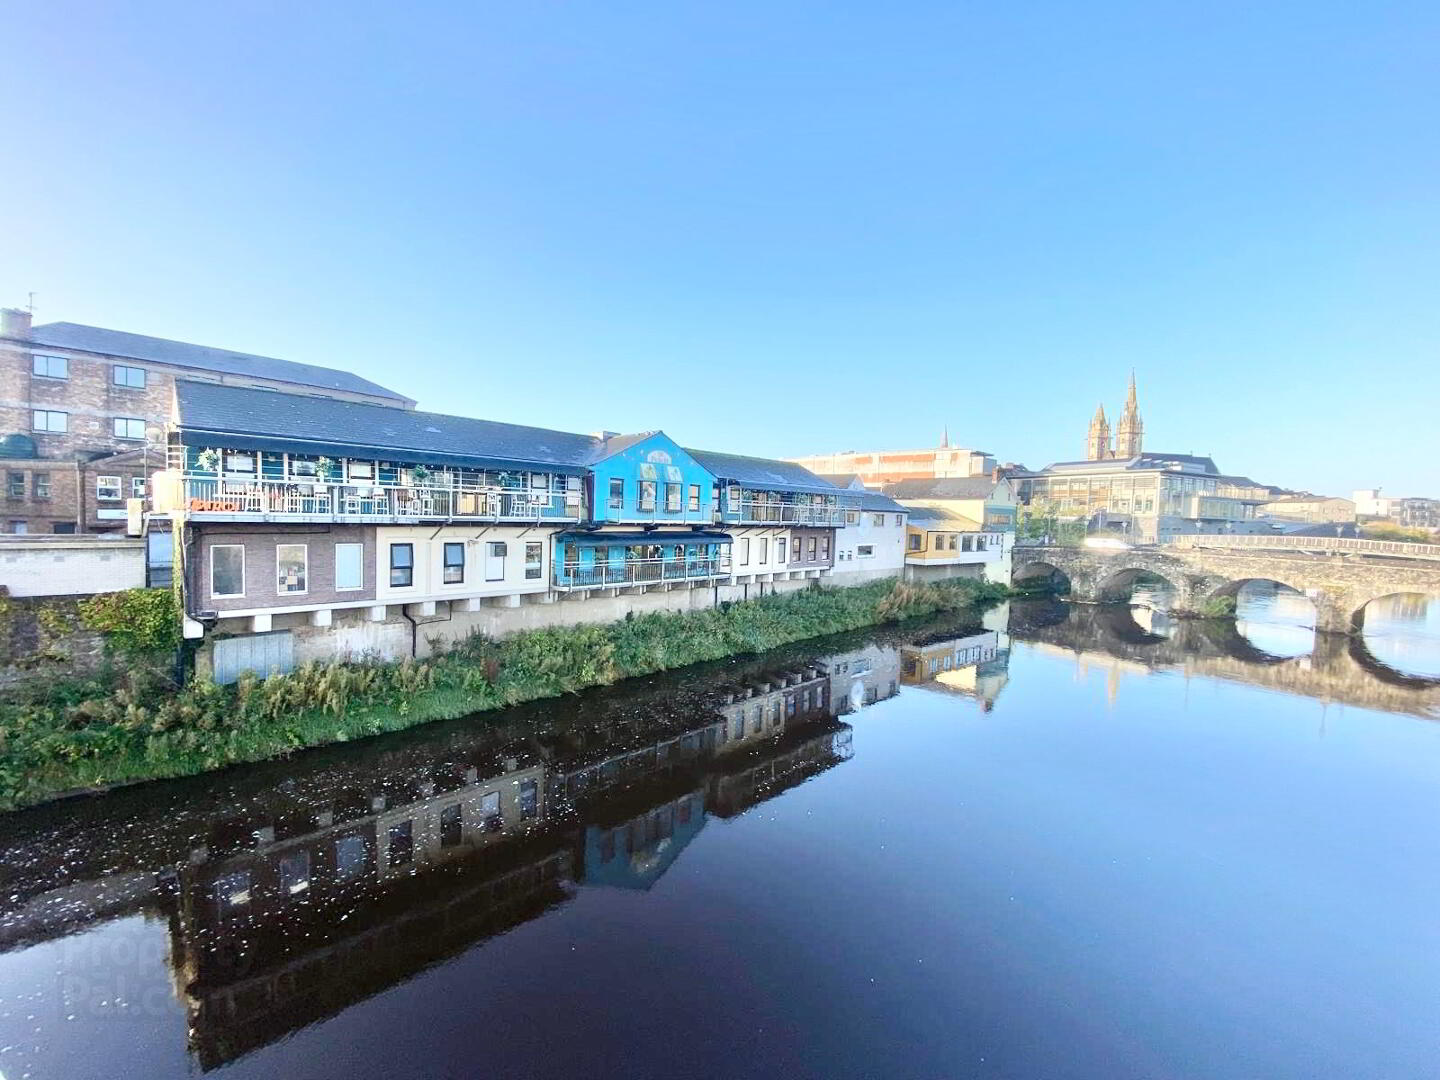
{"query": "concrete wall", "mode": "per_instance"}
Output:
(886, 541)
(429, 551)
(70, 566)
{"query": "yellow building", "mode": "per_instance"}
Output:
(986, 503)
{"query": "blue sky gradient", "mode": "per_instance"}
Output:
(769, 228)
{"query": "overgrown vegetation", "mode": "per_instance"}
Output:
(1041, 523)
(73, 736)
(135, 621)
(1385, 530)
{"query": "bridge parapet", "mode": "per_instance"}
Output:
(1324, 544)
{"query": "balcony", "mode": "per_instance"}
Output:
(777, 512)
(207, 498)
(640, 572)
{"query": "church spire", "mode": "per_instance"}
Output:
(945, 438)
(1097, 443)
(1129, 433)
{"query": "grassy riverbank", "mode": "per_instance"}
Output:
(69, 738)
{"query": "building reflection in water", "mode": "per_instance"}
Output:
(332, 884)
(975, 666)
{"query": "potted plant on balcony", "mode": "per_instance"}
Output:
(420, 474)
(327, 468)
(208, 460)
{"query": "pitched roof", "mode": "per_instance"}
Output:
(767, 473)
(950, 487)
(67, 335)
(843, 480)
(611, 445)
(929, 517)
(874, 501)
(265, 419)
(1146, 460)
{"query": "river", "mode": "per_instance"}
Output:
(1066, 842)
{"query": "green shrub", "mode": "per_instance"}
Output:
(136, 621)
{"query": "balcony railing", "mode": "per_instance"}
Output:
(766, 512)
(207, 495)
(639, 572)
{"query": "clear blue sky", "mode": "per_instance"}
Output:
(769, 227)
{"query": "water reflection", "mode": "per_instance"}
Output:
(1275, 618)
(291, 892)
(1403, 632)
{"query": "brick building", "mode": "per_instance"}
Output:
(83, 412)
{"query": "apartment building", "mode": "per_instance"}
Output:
(84, 411)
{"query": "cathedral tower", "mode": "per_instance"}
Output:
(1130, 432)
(1097, 445)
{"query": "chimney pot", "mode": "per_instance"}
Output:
(14, 322)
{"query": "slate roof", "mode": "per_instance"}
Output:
(328, 426)
(931, 517)
(613, 444)
(874, 501)
(843, 480)
(67, 335)
(1147, 460)
(768, 473)
(950, 487)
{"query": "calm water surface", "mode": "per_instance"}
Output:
(1075, 841)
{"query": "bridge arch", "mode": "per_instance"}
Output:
(1040, 574)
(1273, 616)
(1399, 632)
(1119, 584)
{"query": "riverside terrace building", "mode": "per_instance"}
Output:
(311, 528)
(83, 413)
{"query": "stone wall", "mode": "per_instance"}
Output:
(41, 639)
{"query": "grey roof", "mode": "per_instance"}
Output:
(1146, 460)
(843, 480)
(66, 335)
(950, 487)
(873, 500)
(768, 473)
(330, 426)
(934, 515)
(614, 444)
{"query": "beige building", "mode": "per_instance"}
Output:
(879, 467)
(1310, 509)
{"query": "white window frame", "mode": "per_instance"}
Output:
(116, 380)
(137, 487)
(445, 567)
(359, 565)
(490, 557)
(744, 559)
(865, 551)
(117, 421)
(229, 456)
(49, 360)
(354, 469)
(48, 425)
(538, 565)
(226, 596)
(762, 551)
(304, 570)
(110, 483)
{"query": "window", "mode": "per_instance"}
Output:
(232, 893)
(739, 729)
(777, 713)
(954, 540)
(107, 488)
(240, 463)
(495, 552)
(917, 542)
(694, 496)
(402, 565)
(304, 468)
(350, 857)
(825, 547)
(617, 494)
(41, 480)
(51, 367)
(899, 520)
(15, 485)
(454, 567)
(779, 551)
(965, 546)
(757, 720)
(865, 551)
(49, 420)
(795, 549)
(744, 557)
(63, 528)
(534, 561)
(349, 566)
(294, 873)
(852, 517)
(647, 494)
(132, 377)
(529, 799)
(361, 470)
(490, 808)
(400, 843)
(763, 547)
(672, 498)
(878, 520)
(290, 568)
(125, 427)
(137, 487)
(17, 528)
(810, 548)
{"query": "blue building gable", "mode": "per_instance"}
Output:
(648, 478)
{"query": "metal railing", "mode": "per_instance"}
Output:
(276, 498)
(1308, 543)
(639, 572)
(765, 512)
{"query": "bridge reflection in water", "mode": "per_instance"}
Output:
(1339, 669)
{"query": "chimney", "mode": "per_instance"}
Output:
(14, 322)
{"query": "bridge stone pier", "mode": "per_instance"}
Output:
(1339, 580)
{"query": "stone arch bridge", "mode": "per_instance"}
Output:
(1340, 576)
